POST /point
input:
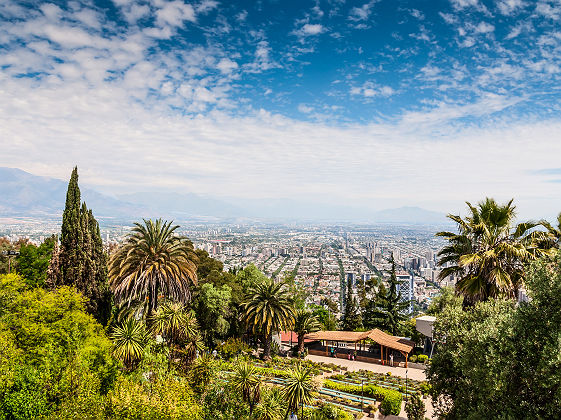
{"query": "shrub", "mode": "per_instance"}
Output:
(413, 359)
(233, 347)
(391, 397)
(422, 358)
(424, 387)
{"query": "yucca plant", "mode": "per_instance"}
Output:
(202, 371)
(130, 338)
(247, 383)
(271, 405)
(153, 262)
(298, 389)
(267, 309)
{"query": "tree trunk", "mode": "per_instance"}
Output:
(300, 343)
(267, 346)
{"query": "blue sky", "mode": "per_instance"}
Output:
(382, 103)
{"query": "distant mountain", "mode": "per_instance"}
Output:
(409, 215)
(24, 194)
(27, 195)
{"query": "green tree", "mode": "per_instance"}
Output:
(415, 408)
(212, 307)
(267, 309)
(83, 262)
(489, 251)
(153, 262)
(33, 261)
(446, 297)
(305, 322)
(271, 405)
(352, 319)
(500, 360)
(327, 320)
(388, 310)
(298, 389)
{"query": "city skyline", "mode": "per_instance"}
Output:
(383, 104)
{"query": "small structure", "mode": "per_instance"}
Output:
(424, 325)
(340, 340)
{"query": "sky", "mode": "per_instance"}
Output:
(375, 104)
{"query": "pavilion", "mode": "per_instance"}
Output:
(387, 344)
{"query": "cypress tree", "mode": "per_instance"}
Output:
(351, 318)
(83, 262)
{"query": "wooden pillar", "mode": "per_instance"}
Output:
(406, 357)
(326, 346)
(382, 354)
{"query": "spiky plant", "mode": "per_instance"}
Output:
(271, 405)
(130, 338)
(154, 261)
(202, 371)
(247, 383)
(267, 309)
(298, 389)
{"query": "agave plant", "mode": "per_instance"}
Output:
(130, 339)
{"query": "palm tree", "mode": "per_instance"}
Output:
(247, 383)
(489, 251)
(152, 262)
(267, 309)
(305, 322)
(298, 389)
(130, 338)
(554, 232)
(270, 407)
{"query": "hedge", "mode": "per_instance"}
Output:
(391, 400)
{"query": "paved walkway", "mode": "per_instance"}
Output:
(416, 374)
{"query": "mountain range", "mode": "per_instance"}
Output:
(26, 195)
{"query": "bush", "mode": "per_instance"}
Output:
(391, 398)
(413, 359)
(233, 347)
(425, 388)
(415, 408)
(422, 358)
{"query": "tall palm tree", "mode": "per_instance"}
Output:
(298, 389)
(130, 338)
(246, 381)
(268, 308)
(305, 322)
(489, 251)
(153, 262)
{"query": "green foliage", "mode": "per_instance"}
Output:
(305, 322)
(391, 400)
(446, 297)
(413, 359)
(298, 388)
(422, 358)
(247, 383)
(223, 402)
(352, 318)
(233, 347)
(325, 317)
(33, 262)
(212, 307)
(51, 350)
(415, 408)
(82, 261)
(202, 371)
(328, 412)
(271, 406)
(168, 398)
(130, 339)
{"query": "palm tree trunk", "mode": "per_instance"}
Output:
(300, 343)
(267, 346)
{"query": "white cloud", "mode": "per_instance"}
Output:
(508, 7)
(311, 29)
(363, 12)
(484, 27)
(549, 8)
(305, 109)
(226, 65)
